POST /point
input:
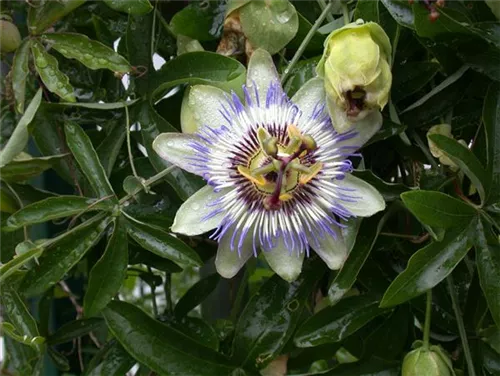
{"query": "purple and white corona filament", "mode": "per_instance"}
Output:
(278, 174)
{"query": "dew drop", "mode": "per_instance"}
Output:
(63, 51)
(87, 56)
(195, 206)
(360, 21)
(284, 17)
(102, 61)
(41, 62)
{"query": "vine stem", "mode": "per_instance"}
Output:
(427, 324)
(461, 326)
(329, 16)
(345, 13)
(424, 149)
(129, 146)
(306, 41)
(21, 205)
(13, 265)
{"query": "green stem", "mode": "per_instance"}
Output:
(168, 294)
(461, 326)
(395, 43)
(21, 205)
(329, 16)
(490, 220)
(153, 295)
(153, 31)
(129, 146)
(345, 12)
(306, 41)
(424, 148)
(14, 264)
(428, 314)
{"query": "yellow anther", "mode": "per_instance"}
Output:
(293, 131)
(259, 179)
(313, 171)
(285, 196)
(309, 142)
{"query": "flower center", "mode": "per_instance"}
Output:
(277, 170)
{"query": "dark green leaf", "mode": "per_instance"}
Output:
(197, 329)
(160, 347)
(196, 294)
(412, 77)
(430, 265)
(17, 262)
(116, 362)
(195, 22)
(54, 208)
(302, 72)
(24, 169)
(19, 139)
(206, 68)
(316, 42)
(401, 11)
(488, 266)
(86, 156)
(110, 147)
(162, 243)
(465, 159)
(333, 324)
(491, 118)
(75, 329)
(137, 7)
(61, 256)
(44, 14)
(438, 209)
(107, 275)
(184, 183)
(48, 135)
(48, 68)
(140, 256)
(20, 73)
(367, 10)
(389, 339)
(269, 25)
(390, 191)
(270, 318)
(346, 277)
(91, 53)
(60, 361)
(17, 313)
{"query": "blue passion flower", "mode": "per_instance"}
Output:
(278, 174)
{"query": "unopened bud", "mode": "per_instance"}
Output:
(428, 362)
(356, 69)
(10, 38)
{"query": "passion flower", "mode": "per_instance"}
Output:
(279, 175)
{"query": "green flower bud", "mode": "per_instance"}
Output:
(10, 38)
(495, 7)
(444, 130)
(357, 72)
(428, 362)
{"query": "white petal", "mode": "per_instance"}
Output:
(201, 107)
(368, 200)
(332, 250)
(286, 264)
(366, 128)
(190, 218)
(228, 262)
(261, 72)
(308, 97)
(175, 148)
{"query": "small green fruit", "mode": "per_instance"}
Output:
(10, 38)
(428, 362)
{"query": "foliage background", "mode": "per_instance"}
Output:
(85, 241)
